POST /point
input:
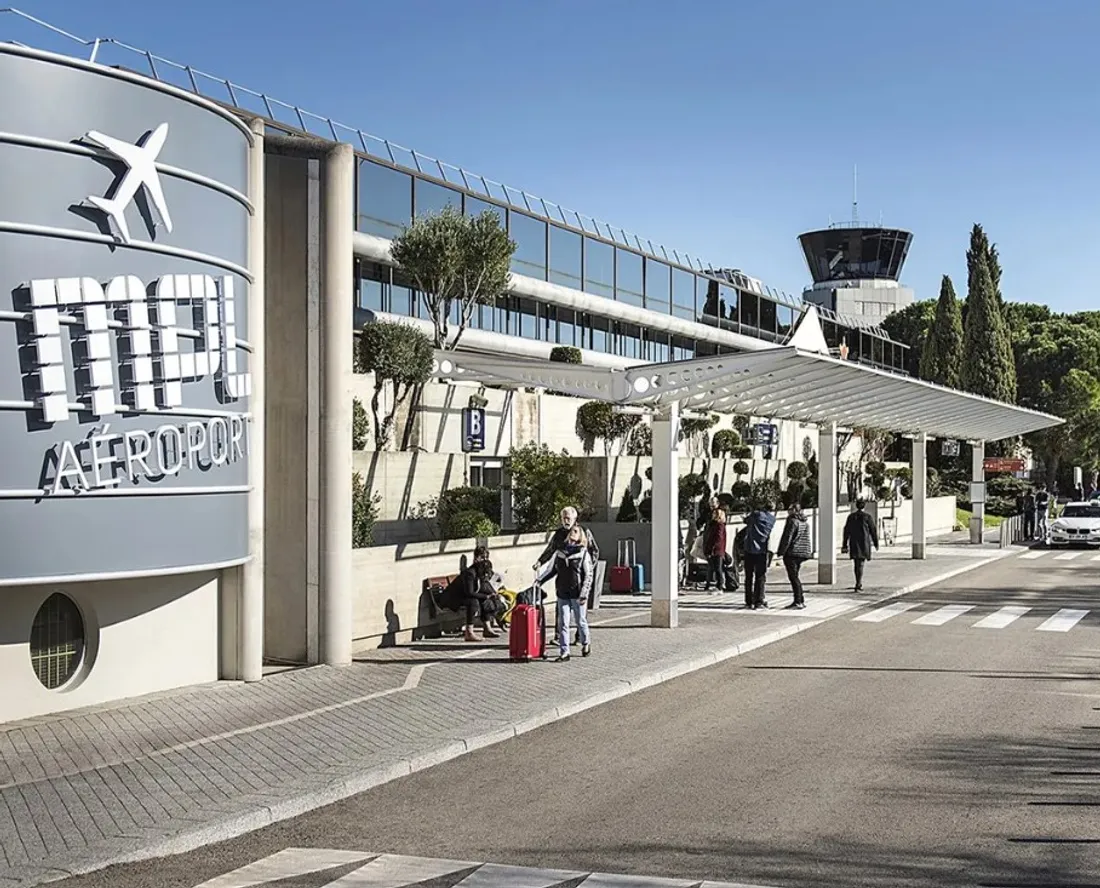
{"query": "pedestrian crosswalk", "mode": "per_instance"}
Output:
(1063, 556)
(921, 613)
(355, 869)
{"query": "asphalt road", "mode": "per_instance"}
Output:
(886, 753)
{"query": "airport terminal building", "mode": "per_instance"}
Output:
(162, 230)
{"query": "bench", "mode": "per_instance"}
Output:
(433, 588)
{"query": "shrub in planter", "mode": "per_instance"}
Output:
(766, 493)
(742, 451)
(467, 499)
(359, 425)
(740, 468)
(809, 498)
(628, 509)
(470, 525)
(640, 440)
(364, 513)
(724, 441)
(565, 354)
(797, 471)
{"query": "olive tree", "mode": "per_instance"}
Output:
(398, 354)
(454, 260)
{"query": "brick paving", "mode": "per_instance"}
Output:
(174, 771)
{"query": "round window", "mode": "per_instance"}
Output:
(57, 641)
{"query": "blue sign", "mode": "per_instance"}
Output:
(473, 429)
(764, 434)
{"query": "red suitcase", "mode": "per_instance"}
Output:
(527, 630)
(622, 575)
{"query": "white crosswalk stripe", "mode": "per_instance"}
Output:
(1068, 556)
(1004, 617)
(884, 613)
(1033, 554)
(398, 871)
(944, 615)
(1064, 620)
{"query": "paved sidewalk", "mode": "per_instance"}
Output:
(176, 771)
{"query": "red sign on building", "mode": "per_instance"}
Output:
(1004, 464)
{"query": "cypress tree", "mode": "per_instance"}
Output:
(988, 368)
(983, 253)
(942, 356)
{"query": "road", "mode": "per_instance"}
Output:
(953, 739)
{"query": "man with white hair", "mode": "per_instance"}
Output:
(568, 519)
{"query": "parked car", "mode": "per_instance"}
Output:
(1079, 524)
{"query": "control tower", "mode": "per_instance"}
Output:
(855, 269)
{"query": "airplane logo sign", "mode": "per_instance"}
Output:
(141, 171)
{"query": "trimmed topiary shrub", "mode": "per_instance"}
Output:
(565, 354)
(469, 525)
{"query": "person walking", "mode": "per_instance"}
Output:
(860, 536)
(795, 548)
(758, 531)
(1042, 513)
(714, 547)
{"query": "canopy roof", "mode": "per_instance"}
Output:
(785, 382)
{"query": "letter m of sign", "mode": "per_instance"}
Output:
(121, 326)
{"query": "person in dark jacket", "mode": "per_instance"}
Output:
(860, 535)
(1028, 508)
(472, 591)
(795, 547)
(574, 571)
(568, 522)
(758, 530)
(714, 547)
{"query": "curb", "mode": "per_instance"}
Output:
(266, 815)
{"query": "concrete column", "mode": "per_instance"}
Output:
(666, 519)
(826, 503)
(337, 309)
(250, 625)
(977, 475)
(920, 493)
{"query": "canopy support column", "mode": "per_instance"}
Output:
(666, 518)
(977, 476)
(826, 503)
(920, 493)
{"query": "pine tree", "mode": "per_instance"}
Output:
(942, 356)
(985, 370)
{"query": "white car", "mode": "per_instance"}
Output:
(1079, 524)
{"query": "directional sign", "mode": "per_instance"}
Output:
(1003, 464)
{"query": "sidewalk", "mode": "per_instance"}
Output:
(176, 771)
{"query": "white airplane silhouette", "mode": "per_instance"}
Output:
(140, 160)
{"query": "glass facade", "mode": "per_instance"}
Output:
(597, 259)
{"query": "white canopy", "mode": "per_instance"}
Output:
(785, 382)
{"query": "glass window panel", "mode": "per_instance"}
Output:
(370, 286)
(784, 320)
(431, 198)
(659, 348)
(567, 327)
(706, 293)
(528, 320)
(600, 335)
(565, 258)
(403, 296)
(767, 316)
(658, 287)
(727, 304)
(599, 268)
(683, 293)
(750, 309)
(628, 277)
(629, 340)
(475, 207)
(530, 237)
(385, 200)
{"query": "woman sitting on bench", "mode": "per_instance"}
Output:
(473, 591)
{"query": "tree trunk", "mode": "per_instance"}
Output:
(410, 424)
(379, 428)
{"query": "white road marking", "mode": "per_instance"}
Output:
(1095, 558)
(884, 613)
(1004, 617)
(289, 863)
(398, 871)
(1068, 556)
(1063, 621)
(943, 615)
(1034, 553)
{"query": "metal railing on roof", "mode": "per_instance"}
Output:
(220, 89)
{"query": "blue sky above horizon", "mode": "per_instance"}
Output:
(723, 129)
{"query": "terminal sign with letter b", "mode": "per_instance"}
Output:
(473, 429)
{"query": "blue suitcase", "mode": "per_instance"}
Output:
(639, 577)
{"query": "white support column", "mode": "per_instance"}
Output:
(826, 504)
(250, 617)
(337, 336)
(666, 518)
(920, 493)
(977, 475)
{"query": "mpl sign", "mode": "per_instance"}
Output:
(131, 353)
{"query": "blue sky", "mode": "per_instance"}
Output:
(720, 128)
